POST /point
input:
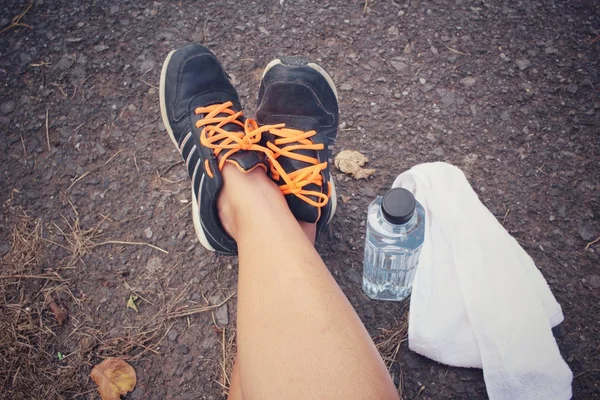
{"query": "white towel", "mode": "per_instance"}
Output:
(478, 299)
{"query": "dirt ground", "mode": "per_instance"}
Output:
(506, 90)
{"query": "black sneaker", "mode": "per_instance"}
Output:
(297, 102)
(202, 114)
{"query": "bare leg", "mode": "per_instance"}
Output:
(298, 336)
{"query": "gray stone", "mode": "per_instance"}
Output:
(114, 9)
(183, 349)
(355, 276)
(196, 296)
(101, 150)
(263, 30)
(399, 66)
(562, 211)
(209, 343)
(100, 48)
(154, 265)
(428, 87)
(522, 63)
(413, 360)
(148, 233)
(222, 315)
(25, 58)
(586, 231)
(4, 248)
(468, 81)
(594, 281)
(367, 191)
(346, 87)
(138, 393)
(393, 31)
(434, 51)
(505, 116)
(147, 66)
(64, 63)
(438, 151)
(8, 107)
(572, 88)
(173, 335)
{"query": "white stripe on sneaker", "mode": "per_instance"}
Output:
(189, 134)
(189, 156)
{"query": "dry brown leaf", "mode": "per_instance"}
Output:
(114, 378)
(59, 313)
(351, 162)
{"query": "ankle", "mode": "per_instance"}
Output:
(241, 193)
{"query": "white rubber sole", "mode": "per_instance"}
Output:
(325, 75)
(195, 202)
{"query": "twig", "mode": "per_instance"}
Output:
(366, 6)
(197, 310)
(60, 87)
(78, 179)
(421, 390)
(23, 143)
(178, 213)
(135, 161)
(49, 277)
(224, 365)
(505, 215)
(113, 156)
(457, 52)
(149, 84)
(170, 181)
(40, 64)
(585, 372)
(136, 293)
(16, 21)
(132, 244)
(47, 134)
(587, 247)
(171, 166)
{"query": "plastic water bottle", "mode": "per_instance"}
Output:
(395, 234)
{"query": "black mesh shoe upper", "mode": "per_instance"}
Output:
(193, 78)
(294, 93)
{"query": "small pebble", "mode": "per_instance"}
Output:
(222, 315)
(172, 335)
(148, 233)
(8, 107)
(523, 63)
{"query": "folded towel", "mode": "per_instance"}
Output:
(478, 299)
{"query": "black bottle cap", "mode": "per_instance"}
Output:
(398, 206)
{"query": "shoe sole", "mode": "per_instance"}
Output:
(163, 112)
(330, 140)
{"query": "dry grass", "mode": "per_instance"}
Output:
(228, 353)
(389, 341)
(41, 318)
(29, 367)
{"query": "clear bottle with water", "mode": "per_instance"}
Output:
(395, 234)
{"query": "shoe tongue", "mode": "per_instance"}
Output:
(219, 97)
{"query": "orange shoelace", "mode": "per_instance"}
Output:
(297, 180)
(248, 137)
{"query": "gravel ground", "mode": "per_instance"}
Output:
(506, 90)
